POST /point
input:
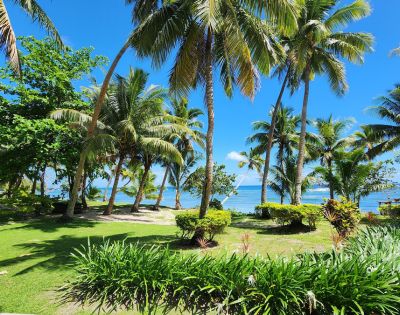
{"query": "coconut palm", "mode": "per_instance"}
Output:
(367, 139)
(285, 134)
(318, 47)
(184, 142)
(179, 175)
(389, 110)
(8, 40)
(326, 142)
(213, 36)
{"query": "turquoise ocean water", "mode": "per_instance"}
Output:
(249, 196)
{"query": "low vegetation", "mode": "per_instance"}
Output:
(362, 279)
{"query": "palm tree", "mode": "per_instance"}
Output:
(184, 142)
(326, 142)
(179, 175)
(389, 110)
(213, 35)
(8, 40)
(253, 161)
(317, 47)
(367, 139)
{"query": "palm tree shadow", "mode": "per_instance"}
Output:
(57, 252)
(269, 228)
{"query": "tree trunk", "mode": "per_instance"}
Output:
(135, 207)
(97, 109)
(34, 185)
(271, 138)
(205, 200)
(105, 197)
(178, 205)
(280, 157)
(118, 169)
(83, 196)
(331, 192)
(302, 141)
(42, 182)
(162, 188)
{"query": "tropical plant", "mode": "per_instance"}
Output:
(212, 36)
(366, 138)
(8, 40)
(134, 174)
(389, 110)
(317, 47)
(185, 143)
(326, 142)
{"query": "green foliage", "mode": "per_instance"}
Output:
(390, 210)
(216, 204)
(223, 183)
(22, 205)
(344, 215)
(362, 279)
(290, 214)
(213, 223)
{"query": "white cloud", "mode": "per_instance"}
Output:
(235, 156)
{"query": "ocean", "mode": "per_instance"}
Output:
(248, 198)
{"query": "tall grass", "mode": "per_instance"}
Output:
(362, 279)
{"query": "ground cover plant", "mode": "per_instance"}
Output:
(361, 279)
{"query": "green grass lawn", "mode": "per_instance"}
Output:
(35, 254)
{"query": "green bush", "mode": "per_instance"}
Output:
(216, 204)
(213, 223)
(23, 205)
(361, 279)
(390, 210)
(291, 214)
(344, 215)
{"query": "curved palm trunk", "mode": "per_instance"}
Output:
(105, 196)
(205, 200)
(83, 197)
(270, 140)
(162, 188)
(178, 205)
(99, 104)
(139, 196)
(302, 141)
(115, 186)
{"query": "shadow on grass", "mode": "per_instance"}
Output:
(267, 227)
(57, 251)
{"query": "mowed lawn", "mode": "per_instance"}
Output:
(35, 254)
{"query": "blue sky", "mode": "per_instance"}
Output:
(105, 24)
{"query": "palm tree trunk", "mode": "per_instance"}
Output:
(178, 205)
(118, 169)
(162, 188)
(205, 200)
(331, 192)
(105, 196)
(280, 155)
(97, 109)
(42, 182)
(302, 141)
(83, 196)
(270, 140)
(135, 207)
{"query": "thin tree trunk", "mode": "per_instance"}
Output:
(178, 205)
(118, 169)
(105, 197)
(135, 207)
(205, 200)
(83, 196)
(302, 141)
(162, 188)
(280, 154)
(331, 192)
(99, 104)
(34, 185)
(271, 138)
(42, 182)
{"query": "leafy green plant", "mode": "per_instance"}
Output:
(290, 214)
(361, 279)
(390, 210)
(344, 215)
(213, 223)
(216, 204)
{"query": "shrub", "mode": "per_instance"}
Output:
(291, 214)
(216, 204)
(362, 279)
(390, 210)
(213, 223)
(344, 215)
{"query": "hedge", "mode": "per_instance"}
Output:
(290, 214)
(390, 210)
(213, 223)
